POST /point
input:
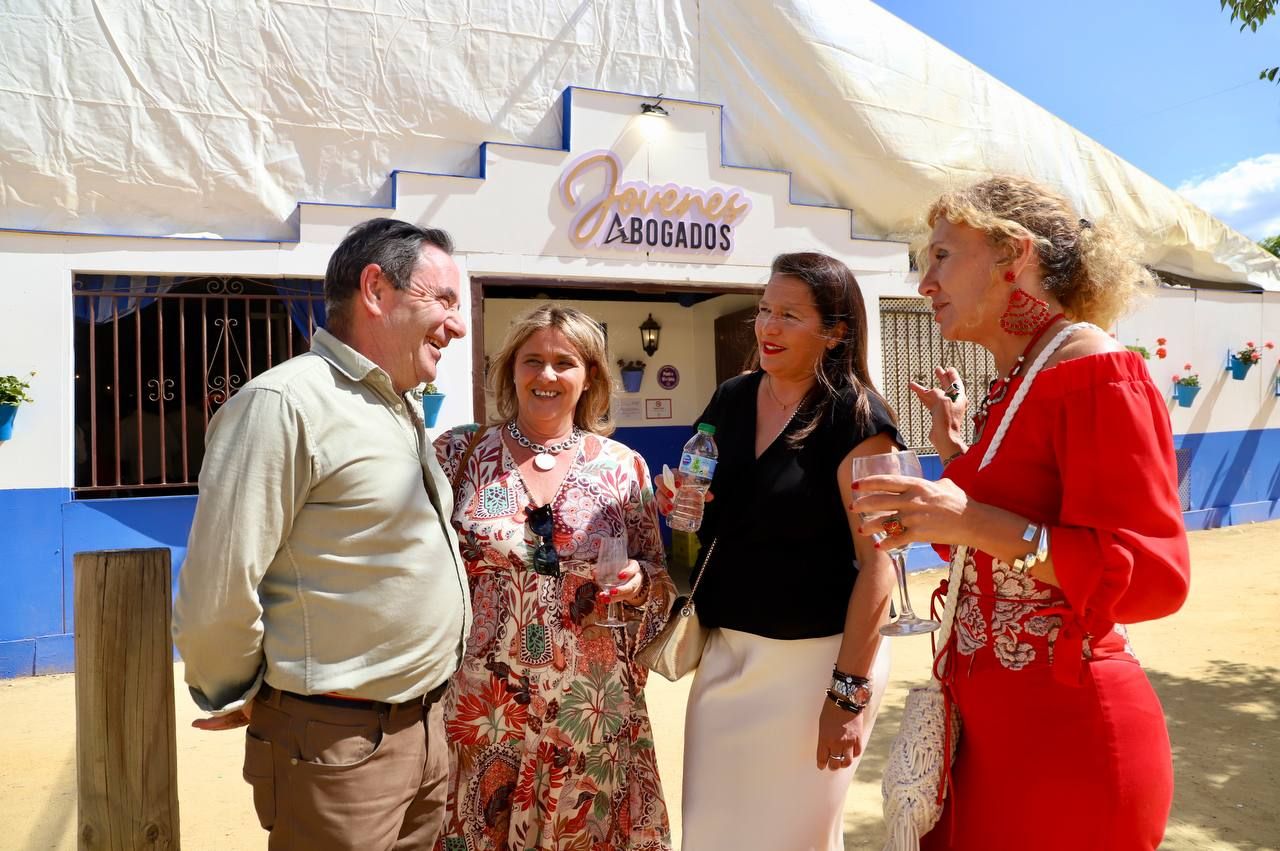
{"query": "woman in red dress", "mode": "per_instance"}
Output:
(1068, 503)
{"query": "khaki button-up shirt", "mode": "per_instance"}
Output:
(321, 554)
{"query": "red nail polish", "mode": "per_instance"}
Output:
(877, 545)
(855, 485)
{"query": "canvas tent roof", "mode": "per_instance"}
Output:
(218, 116)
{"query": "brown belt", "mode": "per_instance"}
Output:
(342, 701)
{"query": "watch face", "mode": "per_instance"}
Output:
(861, 694)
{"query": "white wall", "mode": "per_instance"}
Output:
(1201, 327)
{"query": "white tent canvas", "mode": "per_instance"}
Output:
(217, 116)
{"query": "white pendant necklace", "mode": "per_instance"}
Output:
(544, 458)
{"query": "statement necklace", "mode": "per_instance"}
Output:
(544, 459)
(999, 387)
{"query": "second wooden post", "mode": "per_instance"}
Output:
(126, 742)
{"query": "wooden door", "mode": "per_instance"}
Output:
(735, 344)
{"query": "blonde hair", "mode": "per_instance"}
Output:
(1092, 269)
(586, 336)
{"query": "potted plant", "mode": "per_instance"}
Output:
(1145, 353)
(432, 399)
(1186, 386)
(1242, 360)
(13, 392)
(632, 374)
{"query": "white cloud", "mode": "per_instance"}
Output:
(1245, 196)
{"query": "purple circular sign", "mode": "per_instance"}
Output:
(668, 377)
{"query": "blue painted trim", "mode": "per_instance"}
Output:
(566, 101)
(31, 603)
(17, 658)
(55, 654)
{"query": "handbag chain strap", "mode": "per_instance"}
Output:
(960, 552)
(706, 561)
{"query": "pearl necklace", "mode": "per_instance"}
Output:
(544, 459)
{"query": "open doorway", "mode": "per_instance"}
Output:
(699, 338)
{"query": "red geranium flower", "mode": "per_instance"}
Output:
(1160, 341)
(1162, 353)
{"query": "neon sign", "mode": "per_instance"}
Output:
(639, 216)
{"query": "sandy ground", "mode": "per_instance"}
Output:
(1216, 666)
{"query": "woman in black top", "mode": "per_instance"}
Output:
(768, 756)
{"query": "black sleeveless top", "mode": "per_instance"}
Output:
(784, 566)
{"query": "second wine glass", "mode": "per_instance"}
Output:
(610, 562)
(893, 464)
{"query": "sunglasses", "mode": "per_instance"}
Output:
(546, 561)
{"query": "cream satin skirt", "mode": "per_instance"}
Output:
(750, 738)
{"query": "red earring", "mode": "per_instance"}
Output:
(1009, 276)
(1025, 314)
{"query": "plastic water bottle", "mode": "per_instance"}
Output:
(697, 466)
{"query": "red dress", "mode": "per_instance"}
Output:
(1063, 741)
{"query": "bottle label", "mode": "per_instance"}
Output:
(697, 465)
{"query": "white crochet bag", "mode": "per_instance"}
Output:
(913, 771)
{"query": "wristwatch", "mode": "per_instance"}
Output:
(854, 689)
(1040, 549)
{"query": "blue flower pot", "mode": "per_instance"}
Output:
(7, 415)
(631, 379)
(431, 403)
(1239, 368)
(1185, 394)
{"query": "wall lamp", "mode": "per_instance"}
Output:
(649, 332)
(654, 108)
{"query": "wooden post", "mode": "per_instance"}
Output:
(126, 742)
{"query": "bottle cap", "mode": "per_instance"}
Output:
(706, 428)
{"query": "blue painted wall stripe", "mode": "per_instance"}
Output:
(1235, 478)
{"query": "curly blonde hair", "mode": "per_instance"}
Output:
(1092, 269)
(586, 336)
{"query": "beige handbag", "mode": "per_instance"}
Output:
(677, 649)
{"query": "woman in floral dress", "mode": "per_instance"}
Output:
(550, 741)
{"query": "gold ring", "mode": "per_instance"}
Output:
(893, 526)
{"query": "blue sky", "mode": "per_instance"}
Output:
(1171, 86)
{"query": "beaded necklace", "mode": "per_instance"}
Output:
(999, 387)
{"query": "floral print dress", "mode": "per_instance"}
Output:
(550, 744)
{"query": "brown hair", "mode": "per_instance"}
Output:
(1092, 269)
(842, 369)
(585, 334)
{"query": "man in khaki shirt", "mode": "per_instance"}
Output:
(323, 600)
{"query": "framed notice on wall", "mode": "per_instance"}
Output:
(627, 409)
(657, 409)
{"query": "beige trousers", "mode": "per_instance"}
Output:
(336, 776)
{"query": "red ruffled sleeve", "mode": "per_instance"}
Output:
(1119, 548)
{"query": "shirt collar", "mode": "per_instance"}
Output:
(343, 358)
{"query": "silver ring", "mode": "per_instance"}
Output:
(838, 757)
(954, 391)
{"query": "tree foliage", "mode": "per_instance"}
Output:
(1272, 244)
(1252, 14)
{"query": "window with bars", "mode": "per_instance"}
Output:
(911, 347)
(156, 357)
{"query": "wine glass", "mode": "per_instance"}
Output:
(610, 561)
(894, 464)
